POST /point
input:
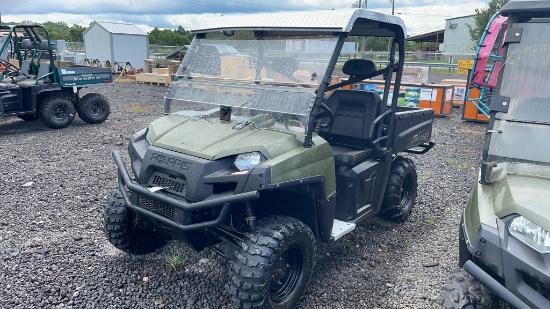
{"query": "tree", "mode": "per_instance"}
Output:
(58, 30)
(178, 37)
(482, 17)
(76, 33)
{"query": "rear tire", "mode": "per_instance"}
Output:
(272, 266)
(56, 112)
(93, 108)
(462, 291)
(401, 190)
(126, 230)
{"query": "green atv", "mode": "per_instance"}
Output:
(268, 152)
(504, 238)
(34, 85)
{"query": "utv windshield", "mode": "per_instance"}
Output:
(248, 72)
(522, 134)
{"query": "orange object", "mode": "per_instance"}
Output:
(442, 102)
(470, 111)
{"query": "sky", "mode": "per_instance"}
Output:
(420, 16)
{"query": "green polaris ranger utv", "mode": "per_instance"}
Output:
(504, 238)
(35, 85)
(268, 152)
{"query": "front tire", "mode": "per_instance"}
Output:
(401, 190)
(93, 108)
(126, 230)
(462, 291)
(272, 266)
(56, 112)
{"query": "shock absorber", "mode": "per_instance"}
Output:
(250, 217)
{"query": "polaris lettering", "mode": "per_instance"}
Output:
(169, 161)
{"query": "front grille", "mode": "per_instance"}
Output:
(157, 207)
(169, 183)
(541, 287)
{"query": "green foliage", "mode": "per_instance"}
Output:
(174, 261)
(178, 37)
(58, 31)
(482, 17)
(76, 33)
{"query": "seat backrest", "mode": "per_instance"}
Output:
(44, 68)
(25, 44)
(43, 45)
(354, 112)
(26, 66)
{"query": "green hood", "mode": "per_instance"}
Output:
(212, 139)
(528, 196)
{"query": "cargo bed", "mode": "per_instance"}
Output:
(413, 127)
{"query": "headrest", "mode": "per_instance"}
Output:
(43, 45)
(26, 44)
(359, 67)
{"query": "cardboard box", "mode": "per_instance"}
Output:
(173, 66)
(414, 75)
(459, 90)
(14, 62)
(235, 67)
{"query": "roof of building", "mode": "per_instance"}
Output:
(118, 28)
(465, 16)
(322, 21)
(434, 36)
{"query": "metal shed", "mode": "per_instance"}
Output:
(457, 38)
(116, 42)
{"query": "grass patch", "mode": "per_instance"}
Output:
(174, 261)
(450, 161)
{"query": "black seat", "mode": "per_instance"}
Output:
(349, 156)
(350, 132)
(354, 113)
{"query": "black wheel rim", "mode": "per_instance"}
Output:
(286, 274)
(59, 112)
(406, 191)
(97, 109)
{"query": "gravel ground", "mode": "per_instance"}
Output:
(53, 253)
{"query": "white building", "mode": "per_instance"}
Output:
(116, 42)
(457, 40)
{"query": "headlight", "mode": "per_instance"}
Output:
(531, 234)
(246, 161)
(147, 136)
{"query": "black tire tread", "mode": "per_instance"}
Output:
(83, 108)
(462, 291)
(391, 208)
(249, 268)
(119, 229)
(44, 114)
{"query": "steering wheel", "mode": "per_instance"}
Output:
(10, 70)
(326, 113)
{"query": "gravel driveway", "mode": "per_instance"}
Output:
(53, 184)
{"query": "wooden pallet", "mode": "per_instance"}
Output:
(154, 83)
(154, 79)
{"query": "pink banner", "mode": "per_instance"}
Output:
(489, 41)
